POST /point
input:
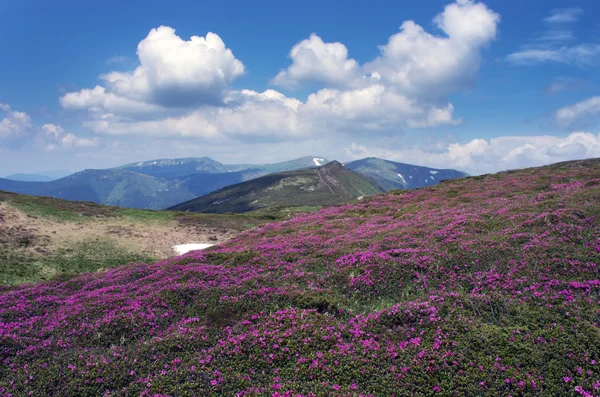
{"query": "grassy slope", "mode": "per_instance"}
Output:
(330, 184)
(483, 286)
(41, 237)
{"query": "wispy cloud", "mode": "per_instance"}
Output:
(552, 46)
(564, 84)
(564, 15)
(581, 113)
(117, 59)
(582, 55)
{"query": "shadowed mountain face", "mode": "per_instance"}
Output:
(325, 185)
(390, 175)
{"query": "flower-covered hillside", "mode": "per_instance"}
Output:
(484, 286)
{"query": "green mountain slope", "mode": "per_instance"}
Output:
(325, 185)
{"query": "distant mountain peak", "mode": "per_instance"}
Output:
(332, 164)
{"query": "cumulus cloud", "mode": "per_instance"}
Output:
(414, 62)
(480, 156)
(98, 100)
(53, 137)
(586, 111)
(248, 114)
(14, 124)
(375, 107)
(272, 115)
(183, 88)
(174, 72)
(18, 127)
(315, 60)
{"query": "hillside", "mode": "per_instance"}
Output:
(481, 286)
(156, 184)
(390, 175)
(43, 237)
(324, 185)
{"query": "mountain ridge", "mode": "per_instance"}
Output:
(328, 184)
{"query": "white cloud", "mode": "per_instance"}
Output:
(580, 55)
(97, 100)
(53, 137)
(581, 112)
(249, 114)
(406, 86)
(564, 15)
(414, 62)
(435, 117)
(480, 156)
(552, 45)
(418, 63)
(565, 84)
(372, 108)
(314, 60)
(174, 72)
(14, 124)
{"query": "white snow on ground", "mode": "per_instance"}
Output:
(318, 161)
(410, 176)
(433, 172)
(401, 177)
(184, 248)
(432, 178)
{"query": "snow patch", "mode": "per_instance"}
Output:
(185, 248)
(432, 178)
(318, 161)
(401, 177)
(433, 172)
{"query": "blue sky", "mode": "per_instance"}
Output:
(479, 86)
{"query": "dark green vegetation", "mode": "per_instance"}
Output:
(482, 286)
(390, 175)
(42, 237)
(325, 185)
(156, 184)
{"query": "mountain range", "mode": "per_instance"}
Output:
(164, 183)
(318, 186)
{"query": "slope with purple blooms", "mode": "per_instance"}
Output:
(483, 286)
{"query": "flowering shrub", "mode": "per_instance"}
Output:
(484, 286)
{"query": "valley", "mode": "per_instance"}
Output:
(41, 238)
